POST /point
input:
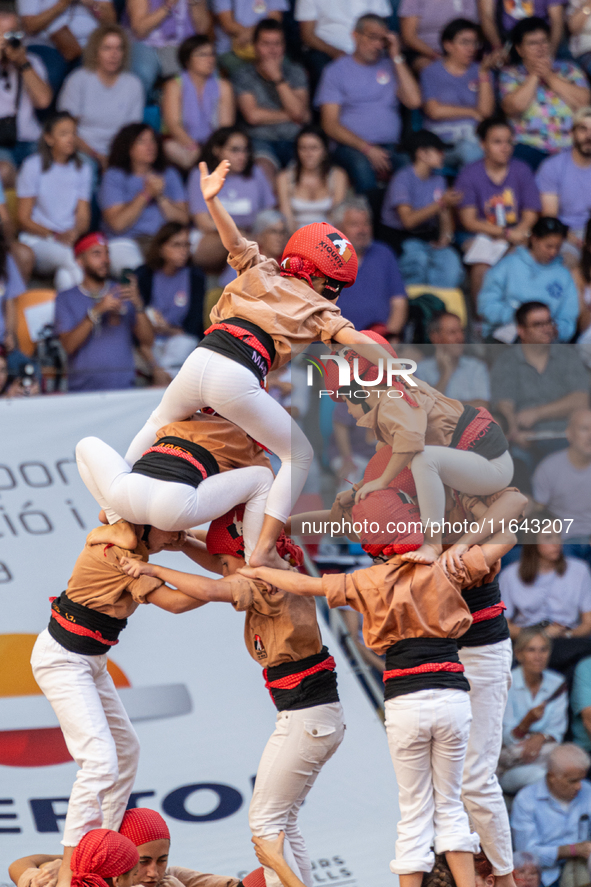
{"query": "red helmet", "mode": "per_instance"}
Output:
(320, 250)
(398, 522)
(224, 536)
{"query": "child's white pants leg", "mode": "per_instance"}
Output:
(97, 731)
(427, 736)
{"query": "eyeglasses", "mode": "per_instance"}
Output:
(237, 150)
(539, 324)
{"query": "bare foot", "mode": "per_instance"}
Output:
(265, 558)
(121, 534)
(426, 554)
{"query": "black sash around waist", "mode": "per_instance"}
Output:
(318, 688)
(489, 443)
(242, 341)
(81, 629)
(487, 631)
(423, 664)
(178, 460)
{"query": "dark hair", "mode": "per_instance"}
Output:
(267, 24)
(325, 163)
(453, 28)
(529, 562)
(45, 150)
(369, 18)
(188, 47)
(120, 153)
(423, 138)
(523, 310)
(217, 140)
(485, 126)
(547, 225)
(154, 258)
(440, 876)
(482, 865)
(528, 26)
(586, 254)
(434, 324)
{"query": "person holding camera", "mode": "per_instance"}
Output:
(98, 320)
(23, 91)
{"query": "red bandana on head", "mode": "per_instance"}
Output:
(102, 854)
(225, 537)
(377, 465)
(391, 523)
(142, 825)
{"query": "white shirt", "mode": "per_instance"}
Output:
(335, 19)
(57, 191)
(77, 17)
(566, 491)
(580, 43)
(550, 597)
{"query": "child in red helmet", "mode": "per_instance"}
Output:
(442, 440)
(262, 318)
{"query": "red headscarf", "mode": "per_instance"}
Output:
(397, 519)
(95, 238)
(376, 466)
(225, 537)
(102, 854)
(142, 825)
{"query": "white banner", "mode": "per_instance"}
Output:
(196, 698)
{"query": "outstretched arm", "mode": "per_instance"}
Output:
(211, 185)
(287, 580)
(364, 346)
(201, 588)
(173, 601)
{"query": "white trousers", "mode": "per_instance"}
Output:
(98, 734)
(300, 745)
(168, 505)
(170, 352)
(427, 735)
(52, 257)
(232, 390)
(461, 470)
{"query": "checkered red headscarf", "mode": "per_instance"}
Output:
(225, 537)
(142, 825)
(376, 467)
(395, 519)
(102, 854)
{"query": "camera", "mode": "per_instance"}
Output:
(14, 38)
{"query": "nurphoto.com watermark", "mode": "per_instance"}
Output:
(396, 368)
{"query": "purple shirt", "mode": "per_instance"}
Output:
(119, 186)
(171, 295)
(200, 112)
(245, 12)
(500, 204)
(407, 188)
(368, 300)
(11, 286)
(516, 10)
(560, 175)
(243, 197)
(104, 361)
(434, 15)
(366, 95)
(437, 83)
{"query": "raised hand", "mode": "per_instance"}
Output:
(212, 183)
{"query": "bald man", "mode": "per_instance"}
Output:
(562, 483)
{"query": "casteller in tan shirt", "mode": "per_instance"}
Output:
(228, 444)
(286, 308)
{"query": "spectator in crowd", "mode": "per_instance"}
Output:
(536, 715)
(562, 484)
(103, 95)
(378, 298)
(540, 95)
(246, 190)
(417, 212)
(579, 27)
(564, 181)
(236, 21)
(535, 272)
(327, 30)
(271, 233)
(526, 871)
(536, 385)
(272, 95)
(173, 292)
(495, 12)
(58, 31)
(196, 103)
(423, 21)
(54, 190)
(546, 816)
(25, 90)
(15, 386)
(458, 92)
(451, 371)
(580, 703)
(11, 286)
(138, 194)
(23, 255)
(309, 189)
(500, 200)
(582, 276)
(159, 27)
(97, 321)
(358, 98)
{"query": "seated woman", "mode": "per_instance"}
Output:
(246, 190)
(310, 189)
(458, 92)
(158, 27)
(499, 17)
(54, 190)
(536, 715)
(422, 21)
(582, 277)
(578, 19)
(535, 273)
(103, 95)
(195, 103)
(540, 95)
(138, 194)
(172, 290)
